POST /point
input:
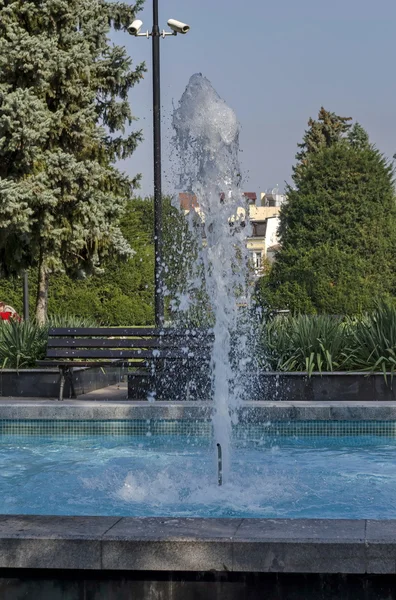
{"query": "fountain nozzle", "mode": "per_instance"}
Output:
(219, 465)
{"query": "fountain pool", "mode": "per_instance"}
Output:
(342, 470)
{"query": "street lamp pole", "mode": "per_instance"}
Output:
(25, 297)
(156, 34)
(158, 240)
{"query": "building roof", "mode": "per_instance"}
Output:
(250, 196)
(274, 248)
(188, 201)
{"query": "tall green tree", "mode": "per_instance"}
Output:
(123, 294)
(324, 132)
(63, 113)
(358, 137)
(338, 231)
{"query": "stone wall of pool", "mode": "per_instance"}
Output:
(254, 431)
(76, 558)
(253, 412)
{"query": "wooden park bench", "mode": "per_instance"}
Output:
(162, 363)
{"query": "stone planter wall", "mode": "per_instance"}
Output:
(341, 386)
(44, 383)
(270, 386)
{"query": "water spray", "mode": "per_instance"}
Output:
(219, 465)
(207, 144)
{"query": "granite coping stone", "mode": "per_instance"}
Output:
(194, 544)
(52, 542)
(324, 530)
(255, 411)
(300, 546)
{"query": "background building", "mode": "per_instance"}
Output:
(272, 197)
(264, 219)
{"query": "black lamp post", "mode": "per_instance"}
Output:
(158, 245)
(156, 34)
(25, 297)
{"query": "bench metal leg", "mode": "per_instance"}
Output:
(71, 382)
(66, 373)
(62, 383)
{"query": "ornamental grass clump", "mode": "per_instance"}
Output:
(21, 344)
(374, 340)
(307, 343)
(70, 321)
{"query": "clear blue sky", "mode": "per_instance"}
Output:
(275, 63)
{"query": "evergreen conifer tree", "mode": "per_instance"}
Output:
(323, 133)
(338, 231)
(358, 137)
(63, 112)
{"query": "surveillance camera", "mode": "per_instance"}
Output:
(178, 26)
(135, 27)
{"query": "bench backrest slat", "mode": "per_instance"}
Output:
(106, 353)
(126, 343)
(104, 332)
(132, 344)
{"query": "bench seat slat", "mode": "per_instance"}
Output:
(102, 331)
(80, 363)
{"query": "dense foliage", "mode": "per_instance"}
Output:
(321, 343)
(338, 228)
(63, 111)
(305, 343)
(123, 294)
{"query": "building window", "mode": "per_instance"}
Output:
(259, 229)
(256, 260)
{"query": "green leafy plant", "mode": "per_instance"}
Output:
(374, 340)
(70, 321)
(306, 343)
(21, 344)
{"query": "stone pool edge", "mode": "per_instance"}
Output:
(258, 411)
(193, 544)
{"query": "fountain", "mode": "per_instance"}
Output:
(207, 145)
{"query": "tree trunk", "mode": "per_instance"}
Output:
(42, 294)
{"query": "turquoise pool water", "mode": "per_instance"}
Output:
(153, 475)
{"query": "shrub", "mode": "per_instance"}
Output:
(374, 340)
(21, 344)
(306, 343)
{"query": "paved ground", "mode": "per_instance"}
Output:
(113, 393)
